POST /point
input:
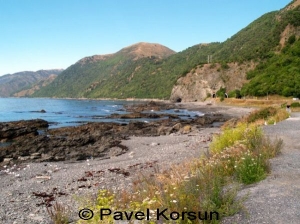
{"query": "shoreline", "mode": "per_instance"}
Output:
(208, 107)
(25, 135)
(29, 186)
(83, 98)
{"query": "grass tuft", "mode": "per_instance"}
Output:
(58, 214)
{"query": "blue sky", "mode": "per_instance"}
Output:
(47, 34)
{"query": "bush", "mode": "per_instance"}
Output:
(231, 94)
(295, 104)
(224, 65)
(58, 214)
(105, 199)
(221, 92)
(231, 136)
(235, 94)
(292, 39)
(244, 152)
(261, 114)
(283, 105)
(250, 169)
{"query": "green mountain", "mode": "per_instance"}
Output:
(111, 75)
(12, 83)
(153, 71)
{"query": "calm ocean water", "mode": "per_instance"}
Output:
(67, 112)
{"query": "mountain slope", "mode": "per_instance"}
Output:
(123, 74)
(11, 83)
(265, 53)
(27, 92)
(278, 75)
(136, 71)
(100, 75)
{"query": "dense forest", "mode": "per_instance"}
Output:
(279, 74)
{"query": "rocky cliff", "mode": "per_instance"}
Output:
(206, 79)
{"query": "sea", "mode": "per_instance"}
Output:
(73, 112)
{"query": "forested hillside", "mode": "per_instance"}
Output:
(278, 75)
(271, 41)
(108, 75)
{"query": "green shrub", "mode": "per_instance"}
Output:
(261, 114)
(235, 94)
(295, 104)
(250, 169)
(283, 105)
(105, 199)
(221, 93)
(224, 65)
(292, 39)
(243, 132)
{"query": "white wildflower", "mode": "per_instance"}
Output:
(146, 199)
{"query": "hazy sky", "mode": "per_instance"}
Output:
(47, 34)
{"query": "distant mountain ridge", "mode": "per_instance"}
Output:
(12, 83)
(28, 91)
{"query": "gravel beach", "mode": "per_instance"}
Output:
(27, 189)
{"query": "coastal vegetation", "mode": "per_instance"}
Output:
(239, 155)
(122, 76)
(279, 75)
(272, 41)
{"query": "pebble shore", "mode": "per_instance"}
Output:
(28, 188)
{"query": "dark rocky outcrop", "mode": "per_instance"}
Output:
(90, 140)
(136, 115)
(149, 106)
(23, 128)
